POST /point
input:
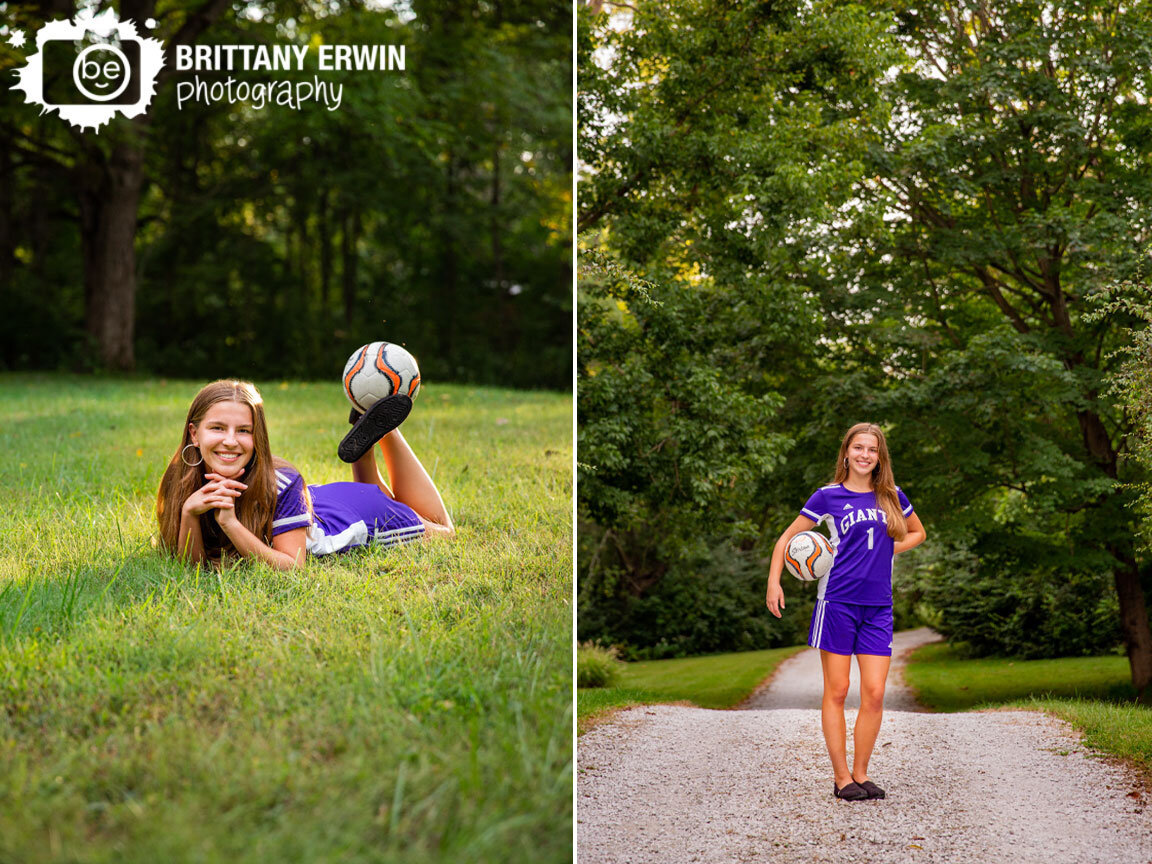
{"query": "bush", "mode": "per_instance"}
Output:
(1019, 603)
(596, 666)
(698, 607)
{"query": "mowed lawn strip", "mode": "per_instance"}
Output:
(1092, 693)
(713, 681)
(404, 704)
(945, 681)
(1117, 729)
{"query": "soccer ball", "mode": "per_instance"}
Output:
(379, 369)
(809, 556)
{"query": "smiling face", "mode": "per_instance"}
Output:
(863, 454)
(225, 437)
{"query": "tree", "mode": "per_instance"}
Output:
(709, 131)
(107, 174)
(432, 206)
(907, 209)
(1011, 185)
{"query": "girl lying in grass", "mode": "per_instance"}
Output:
(225, 494)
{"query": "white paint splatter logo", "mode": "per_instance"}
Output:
(92, 68)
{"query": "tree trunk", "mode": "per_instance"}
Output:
(325, 240)
(1134, 624)
(502, 318)
(448, 271)
(109, 198)
(349, 236)
(7, 198)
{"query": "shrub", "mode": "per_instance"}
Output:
(701, 606)
(1017, 601)
(596, 666)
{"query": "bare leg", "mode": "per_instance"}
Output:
(873, 676)
(411, 484)
(836, 676)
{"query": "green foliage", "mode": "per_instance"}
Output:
(1131, 382)
(699, 606)
(406, 704)
(987, 218)
(675, 112)
(690, 329)
(915, 249)
(596, 666)
(1024, 597)
(666, 435)
(432, 208)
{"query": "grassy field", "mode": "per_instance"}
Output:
(945, 681)
(715, 681)
(1092, 693)
(411, 704)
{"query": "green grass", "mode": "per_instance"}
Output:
(411, 704)
(715, 681)
(1117, 729)
(945, 681)
(1092, 693)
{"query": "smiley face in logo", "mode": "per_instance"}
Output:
(101, 72)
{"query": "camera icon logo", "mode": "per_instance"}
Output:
(102, 74)
(91, 69)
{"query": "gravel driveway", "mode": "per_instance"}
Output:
(671, 784)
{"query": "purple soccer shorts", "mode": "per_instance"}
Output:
(848, 628)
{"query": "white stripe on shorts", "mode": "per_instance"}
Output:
(398, 535)
(818, 630)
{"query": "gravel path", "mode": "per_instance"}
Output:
(670, 784)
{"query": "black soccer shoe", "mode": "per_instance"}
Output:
(353, 417)
(377, 422)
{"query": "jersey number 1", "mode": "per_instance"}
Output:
(870, 530)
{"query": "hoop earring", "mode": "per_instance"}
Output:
(845, 461)
(191, 464)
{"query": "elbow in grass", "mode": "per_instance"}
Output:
(281, 560)
(435, 529)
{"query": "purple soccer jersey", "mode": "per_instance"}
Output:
(291, 506)
(343, 515)
(862, 571)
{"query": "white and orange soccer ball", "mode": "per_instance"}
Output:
(809, 556)
(379, 369)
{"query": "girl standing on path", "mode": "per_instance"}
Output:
(207, 511)
(871, 521)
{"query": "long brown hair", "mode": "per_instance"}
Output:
(254, 508)
(883, 483)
